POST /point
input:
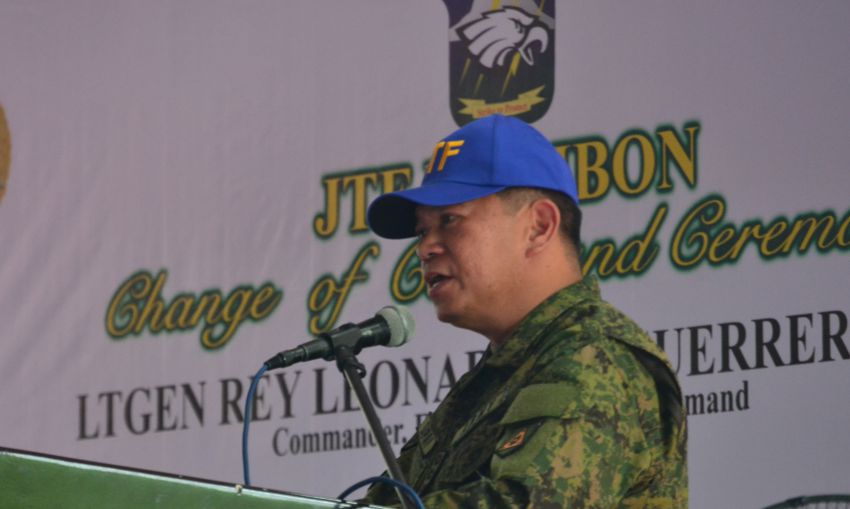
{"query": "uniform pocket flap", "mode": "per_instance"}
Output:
(542, 400)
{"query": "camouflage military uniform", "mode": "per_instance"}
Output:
(577, 409)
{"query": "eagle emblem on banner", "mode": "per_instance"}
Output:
(501, 58)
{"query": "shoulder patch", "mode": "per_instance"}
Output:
(542, 400)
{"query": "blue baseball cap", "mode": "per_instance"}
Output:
(479, 159)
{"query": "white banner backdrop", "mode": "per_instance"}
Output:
(185, 190)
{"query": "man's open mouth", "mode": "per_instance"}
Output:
(434, 280)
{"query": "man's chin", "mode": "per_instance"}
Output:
(448, 315)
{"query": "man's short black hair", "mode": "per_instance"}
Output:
(570, 213)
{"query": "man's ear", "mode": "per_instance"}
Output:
(545, 223)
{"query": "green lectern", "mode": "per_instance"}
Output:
(30, 480)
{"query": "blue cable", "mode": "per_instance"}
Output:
(247, 421)
(386, 480)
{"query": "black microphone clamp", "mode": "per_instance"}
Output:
(320, 348)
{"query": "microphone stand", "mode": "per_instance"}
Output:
(353, 371)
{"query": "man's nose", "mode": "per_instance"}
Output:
(429, 246)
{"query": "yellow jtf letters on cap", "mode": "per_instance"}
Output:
(452, 148)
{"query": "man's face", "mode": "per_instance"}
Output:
(471, 255)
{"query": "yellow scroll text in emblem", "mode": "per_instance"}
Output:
(478, 108)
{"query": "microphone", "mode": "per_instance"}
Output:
(391, 326)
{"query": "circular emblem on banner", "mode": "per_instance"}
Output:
(5, 153)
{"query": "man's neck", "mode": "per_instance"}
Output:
(541, 289)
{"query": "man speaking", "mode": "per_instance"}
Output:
(572, 404)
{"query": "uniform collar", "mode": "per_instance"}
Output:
(533, 327)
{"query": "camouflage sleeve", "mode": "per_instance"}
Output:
(577, 443)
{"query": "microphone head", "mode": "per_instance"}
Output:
(400, 322)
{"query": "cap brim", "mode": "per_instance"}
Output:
(393, 215)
